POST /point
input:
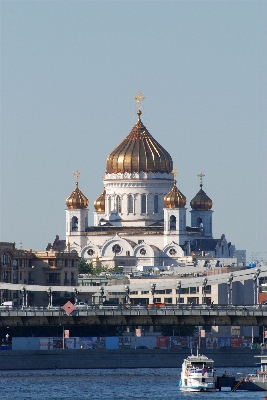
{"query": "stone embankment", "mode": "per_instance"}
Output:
(123, 358)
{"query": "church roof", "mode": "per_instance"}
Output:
(155, 248)
(201, 202)
(174, 199)
(99, 203)
(77, 199)
(202, 245)
(139, 152)
(133, 244)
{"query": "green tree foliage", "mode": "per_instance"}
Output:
(116, 270)
(89, 268)
(84, 267)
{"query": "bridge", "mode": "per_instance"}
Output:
(203, 276)
(144, 315)
(174, 315)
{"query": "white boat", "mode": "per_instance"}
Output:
(197, 374)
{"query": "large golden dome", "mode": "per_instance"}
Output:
(99, 203)
(139, 152)
(174, 199)
(201, 201)
(77, 199)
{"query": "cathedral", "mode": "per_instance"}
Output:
(140, 217)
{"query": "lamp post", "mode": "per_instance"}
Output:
(50, 295)
(229, 283)
(178, 288)
(127, 296)
(75, 295)
(102, 292)
(153, 289)
(204, 284)
(24, 297)
(256, 286)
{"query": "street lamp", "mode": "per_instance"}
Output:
(229, 283)
(24, 297)
(204, 284)
(128, 292)
(50, 295)
(179, 285)
(102, 292)
(256, 285)
(153, 289)
(75, 295)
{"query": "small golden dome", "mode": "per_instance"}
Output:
(174, 199)
(99, 203)
(77, 199)
(201, 201)
(139, 152)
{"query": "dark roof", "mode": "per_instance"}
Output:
(202, 244)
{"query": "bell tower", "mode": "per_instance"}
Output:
(76, 214)
(201, 213)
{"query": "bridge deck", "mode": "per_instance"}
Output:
(168, 315)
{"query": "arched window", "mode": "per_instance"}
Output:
(143, 204)
(118, 204)
(74, 224)
(130, 204)
(6, 260)
(173, 223)
(156, 204)
(199, 222)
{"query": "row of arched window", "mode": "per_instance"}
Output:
(130, 204)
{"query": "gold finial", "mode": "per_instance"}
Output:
(201, 175)
(77, 173)
(139, 98)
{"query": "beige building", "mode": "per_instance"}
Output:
(27, 267)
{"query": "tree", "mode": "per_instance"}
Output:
(116, 270)
(84, 267)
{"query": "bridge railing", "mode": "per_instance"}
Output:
(137, 310)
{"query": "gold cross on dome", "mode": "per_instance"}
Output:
(174, 172)
(139, 98)
(201, 175)
(77, 173)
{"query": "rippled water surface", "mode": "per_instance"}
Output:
(108, 384)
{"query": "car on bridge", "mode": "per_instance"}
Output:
(81, 304)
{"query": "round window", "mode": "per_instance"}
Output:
(116, 248)
(143, 252)
(90, 252)
(172, 252)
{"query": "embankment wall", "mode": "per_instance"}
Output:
(123, 358)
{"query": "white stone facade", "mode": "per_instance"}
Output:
(134, 199)
(133, 224)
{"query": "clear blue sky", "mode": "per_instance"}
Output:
(69, 71)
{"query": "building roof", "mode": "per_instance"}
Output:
(139, 152)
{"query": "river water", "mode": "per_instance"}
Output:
(108, 384)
